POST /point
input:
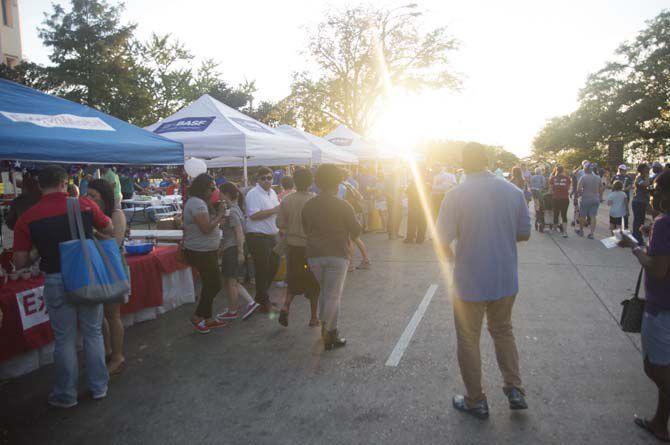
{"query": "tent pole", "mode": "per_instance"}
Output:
(246, 173)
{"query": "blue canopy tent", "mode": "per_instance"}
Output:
(38, 127)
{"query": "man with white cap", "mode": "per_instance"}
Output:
(627, 181)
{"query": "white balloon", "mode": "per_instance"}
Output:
(195, 167)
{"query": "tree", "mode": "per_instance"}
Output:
(628, 99)
(94, 59)
(361, 54)
(449, 152)
(29, 74)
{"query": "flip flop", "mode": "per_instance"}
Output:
(644, 424)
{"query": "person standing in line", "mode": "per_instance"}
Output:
(202, 237)
(416, 215)
(367, 183)
(655, 336)
(622, 175)
(299, 277)
(102, 193)
(287, 187)
(330, 226)
(485, 217)
(560, 192)
(110, 176)
(517, 178)
(262, 208)
(44, 226)
(618, 203)
(640, 200)
(590, 189)
(233, 258)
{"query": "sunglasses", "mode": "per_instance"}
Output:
(265, 178)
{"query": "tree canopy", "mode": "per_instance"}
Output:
(627, 100)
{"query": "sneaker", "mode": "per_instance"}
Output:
(228, 315)
(250, 309)
(215, 324)
(565, 235)
(99, 396)
(201, 327)
(579, 232)
(480, 410)
(590, 236)
(516, 399)
(61, 404)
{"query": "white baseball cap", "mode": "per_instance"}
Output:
(623, 167)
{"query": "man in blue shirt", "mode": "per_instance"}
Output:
(485, 216)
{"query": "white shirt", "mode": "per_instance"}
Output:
(443, 181)
(258, 200)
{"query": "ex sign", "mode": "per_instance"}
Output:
(32, 307)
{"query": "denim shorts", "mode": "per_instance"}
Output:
(656, 338)
(589, 208)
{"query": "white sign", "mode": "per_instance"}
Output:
(32, 307)
(60, 120)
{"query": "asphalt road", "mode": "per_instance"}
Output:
(256, 382)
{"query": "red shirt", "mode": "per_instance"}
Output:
(560, 186)
(45, 226)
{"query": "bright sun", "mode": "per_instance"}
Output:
(404, 120)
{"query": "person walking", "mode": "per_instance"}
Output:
(262, 208)
(590, 189)
(202, 236)
(560, 192)
(623, 176)
(330, 226)
(538, 183)
(44, 226)
(233, 257)
(299, 277)
(486, 217)
(102, 193)
(655, 337)
(640, 200)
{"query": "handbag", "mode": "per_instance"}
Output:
(92, 270)
(633, 310)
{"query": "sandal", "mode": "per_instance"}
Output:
(365, 265)
(118, 370)
(644, 424)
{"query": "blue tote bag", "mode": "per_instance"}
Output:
(92, 270)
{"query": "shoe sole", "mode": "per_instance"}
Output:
(62, 405)
(472, 413)
(518, 407)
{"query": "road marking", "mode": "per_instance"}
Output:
(406, 336)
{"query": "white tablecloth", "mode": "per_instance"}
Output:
(178, 289)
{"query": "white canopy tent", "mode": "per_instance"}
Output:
(323, 152)
(348, 140)
(211, 130)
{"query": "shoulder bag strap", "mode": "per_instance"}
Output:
(639, 281)
(74, 217)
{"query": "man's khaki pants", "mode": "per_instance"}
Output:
(469, 317)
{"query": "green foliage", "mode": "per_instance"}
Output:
(360, 52)
(628, 99)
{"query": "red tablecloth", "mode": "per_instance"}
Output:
(25, 324)
(146, 283)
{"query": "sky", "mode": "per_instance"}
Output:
(521, 61)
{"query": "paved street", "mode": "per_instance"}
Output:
(259, 383)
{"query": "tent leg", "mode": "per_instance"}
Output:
(246, 173)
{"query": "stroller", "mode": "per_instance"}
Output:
(544, 216)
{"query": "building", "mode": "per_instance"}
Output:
(10, 33)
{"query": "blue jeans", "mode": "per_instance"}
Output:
(330, 272)
(64, 317)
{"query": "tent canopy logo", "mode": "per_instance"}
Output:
(342, 142)
(185, 124)
(59, 121)
(250, 125)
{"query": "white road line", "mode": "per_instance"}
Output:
(406, 336)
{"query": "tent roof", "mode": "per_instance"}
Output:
(210, 129)
(348, 140)
(38, 127)
(323, 152)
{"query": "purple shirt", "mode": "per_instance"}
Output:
(657, 290)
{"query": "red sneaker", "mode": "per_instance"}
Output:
(201, 327)
(228, 315)
(214, 324)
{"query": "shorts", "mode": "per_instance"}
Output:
(616, 221)
(230, 268)
(589, 208)
(299, 277)
(537, 194)
(656, 338)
